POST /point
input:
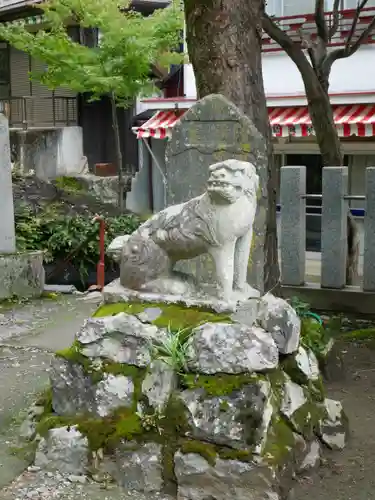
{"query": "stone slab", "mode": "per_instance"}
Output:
(213, 130)
(7, 229)
(334, 227)
(293, 225)
(21, 275)
(114, 292)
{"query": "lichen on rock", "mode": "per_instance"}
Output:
(231, 348)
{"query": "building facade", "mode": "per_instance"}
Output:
(352, 95)
(37, 113)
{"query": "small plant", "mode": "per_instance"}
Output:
(151, 421)
(173, 350)
(303, 310)
(314, 336)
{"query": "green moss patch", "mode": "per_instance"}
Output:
(205, 450)
(231, 454)
(280, 441)
(364, 335)
(290, 367)
(306, 419)
(102, 433)
(177, 317)
(68, 184)
(74, 355)
(219, 384)
(175, 426)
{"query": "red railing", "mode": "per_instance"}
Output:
(294, 26)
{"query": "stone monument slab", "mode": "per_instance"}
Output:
(21, 274)
(213, 130)
(7, 230)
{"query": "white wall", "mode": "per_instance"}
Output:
(283, 81)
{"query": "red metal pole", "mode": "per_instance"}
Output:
(101, 266)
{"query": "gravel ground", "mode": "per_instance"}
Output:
(46, 486)
(350, 475)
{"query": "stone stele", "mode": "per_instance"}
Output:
(219, 223)
(213, 130)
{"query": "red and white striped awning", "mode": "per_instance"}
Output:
(160, 125)
(358, 119)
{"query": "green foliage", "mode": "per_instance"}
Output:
(314, 336)
(120, 65)
(59, 236)
(173, 350)
(299, 306)
(68, 184)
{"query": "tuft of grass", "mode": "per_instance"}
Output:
(173, 351)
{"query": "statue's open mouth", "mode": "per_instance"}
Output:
(219, 184)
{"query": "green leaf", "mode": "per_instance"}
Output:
(129, 45)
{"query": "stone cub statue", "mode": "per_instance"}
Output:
(219, 222)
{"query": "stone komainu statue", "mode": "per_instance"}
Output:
(219, 222)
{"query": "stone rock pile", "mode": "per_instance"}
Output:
(162, 397)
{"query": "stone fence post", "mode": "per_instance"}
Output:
(293, 225)
(334, 227)
(369, 229)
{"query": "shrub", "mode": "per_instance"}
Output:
(61, 236)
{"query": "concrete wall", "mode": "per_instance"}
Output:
(70, 151)
(50, 153)
(158, 148)
(138, 198)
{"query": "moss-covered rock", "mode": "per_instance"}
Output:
(220, 384)
(280, 442)
(205, 450)
(89, 387)
(207, 421)
(102, 433)
(173, 316)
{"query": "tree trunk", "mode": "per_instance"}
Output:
(224, 44)
(116, 132)
(321, 114)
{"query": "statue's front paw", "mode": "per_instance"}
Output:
(246, 291)
(225, 295)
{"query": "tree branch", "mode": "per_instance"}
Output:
(348, 51)
(358, 11)
(335, 19)
(320, 20)
(293, 50)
